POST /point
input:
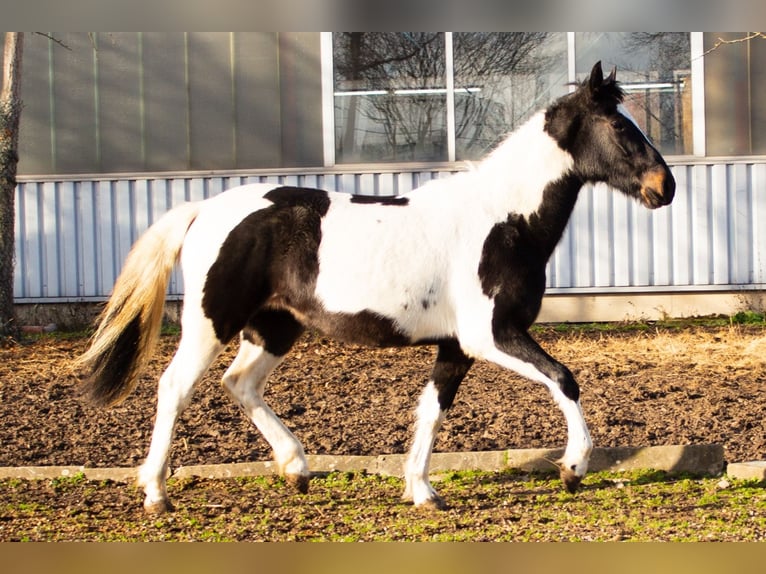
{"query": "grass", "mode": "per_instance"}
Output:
(740, 318)
(484, 506)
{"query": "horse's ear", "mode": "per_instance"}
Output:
(596, 77)
(601, 88)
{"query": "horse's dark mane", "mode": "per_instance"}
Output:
(612, 90)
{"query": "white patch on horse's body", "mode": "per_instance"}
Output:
(432, 241)
(360, 242)
(540, 161)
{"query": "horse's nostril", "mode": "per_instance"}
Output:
(657, 187)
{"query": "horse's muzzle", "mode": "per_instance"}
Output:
(658, 186)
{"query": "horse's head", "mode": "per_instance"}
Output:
(606, 144)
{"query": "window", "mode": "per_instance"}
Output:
(392, 101)
(735, 94)
(454, 96)
(500, 80)
(390, 96)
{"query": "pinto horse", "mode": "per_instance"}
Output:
(458, 263)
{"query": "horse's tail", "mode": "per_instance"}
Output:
(130, 323)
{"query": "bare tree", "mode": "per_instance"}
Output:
(10, 115)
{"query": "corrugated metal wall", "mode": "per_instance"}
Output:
(72, 235)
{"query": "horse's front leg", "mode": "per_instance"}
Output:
(516, 350)
(450, 368)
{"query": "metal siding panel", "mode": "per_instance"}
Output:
(179, 192)
(311, 181)
(642, 245)
(701, 226)
(621, 240)
(563, 271)
(662, 253)
(681, 238)
(72, 237)
(67, 221)
(365, 184)
(403, 183)
(758, 190)
(88, 240)
(124, 227)
(34, 241)
(211, 118)
(582, 232)
(74, 102)
(291, 180)
(720, 223)
(386, 184)
(106, 233)
(740, 234)
(214, 187)
(165, 101)
(36, 138)
(50, 230)
(603, 231)
(19, 285)
(256, 99)
(156, 202)
(346, 183)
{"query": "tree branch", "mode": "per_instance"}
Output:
(54, 39)
(721, 42)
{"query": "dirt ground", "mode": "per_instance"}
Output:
(640, 386)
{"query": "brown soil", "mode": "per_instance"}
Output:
(648, 387)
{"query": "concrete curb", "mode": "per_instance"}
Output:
(751, 470)
(702, 459)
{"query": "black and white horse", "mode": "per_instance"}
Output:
(458, 263)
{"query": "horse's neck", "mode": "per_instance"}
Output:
(531, 176)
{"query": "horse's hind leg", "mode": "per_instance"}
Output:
(450, 368)
(262, 348)
(196, 351)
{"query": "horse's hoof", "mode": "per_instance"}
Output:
(434, 503)
(299, 481)
(570, 479)
(158, 506)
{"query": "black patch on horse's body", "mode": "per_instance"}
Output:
(362, 328)
(451, 366)
(380, 200)
(271, 253)
(512, 273)
(274, 329)
(516, 251)
(264, 279)
(288, 196)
